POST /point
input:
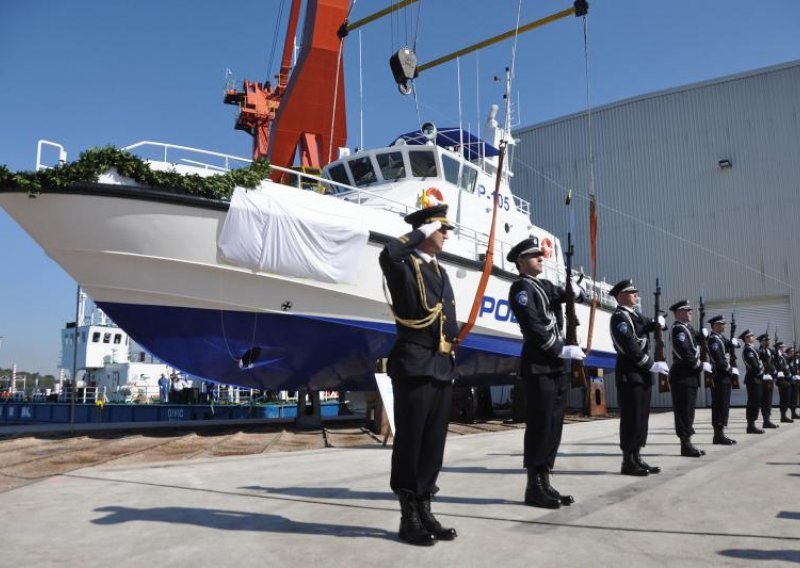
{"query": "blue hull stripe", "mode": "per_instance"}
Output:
(290, 351)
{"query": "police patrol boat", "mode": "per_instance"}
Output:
(279, 287)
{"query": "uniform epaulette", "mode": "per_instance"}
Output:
(403, 239)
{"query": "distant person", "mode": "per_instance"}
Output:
(177, 389)
(768, 386)
(163, 389)
(783, 380)
(722, 372)
(753, 381)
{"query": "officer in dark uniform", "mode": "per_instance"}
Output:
(753, 380)
(768, 360)
(722, 372)
(535, 303)
(630, 335)
(684, 375)
(783, 378)
(422, 368)
(794, 392)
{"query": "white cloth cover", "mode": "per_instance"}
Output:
(309, 236)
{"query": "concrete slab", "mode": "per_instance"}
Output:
(735, 506)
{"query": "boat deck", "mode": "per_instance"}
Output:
(332, 506)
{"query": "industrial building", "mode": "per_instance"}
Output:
(697, 185)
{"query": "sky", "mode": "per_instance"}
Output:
(89, 73)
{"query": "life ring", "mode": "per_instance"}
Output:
(430, 197)
(547, 247)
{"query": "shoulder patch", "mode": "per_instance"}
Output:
(622, 327)
(715, 346)
(522, 298)
(681, 337)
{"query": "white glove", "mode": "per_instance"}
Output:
(796, 377)
(429, 228)
(572, 352)
(735, 371)
(707, 367)
(705, 332)
(661, 321)
(735, 342)
(780, 374)
(767, 377)
(660, 367)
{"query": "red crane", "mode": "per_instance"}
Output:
(306, 109)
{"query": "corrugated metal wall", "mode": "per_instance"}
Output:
(666, 207)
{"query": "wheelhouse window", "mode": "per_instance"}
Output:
(468, 178)
(362, 170)
(106, 338)
(392, 166)
(450, 169)
(117, 338)
(96, 337)
(423, 163)
(338, 173)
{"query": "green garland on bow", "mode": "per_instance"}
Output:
(95, 161)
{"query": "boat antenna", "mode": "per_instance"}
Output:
(460, 121)
(360, 96)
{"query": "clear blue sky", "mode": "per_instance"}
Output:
(93, 72)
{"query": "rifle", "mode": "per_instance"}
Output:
(708, 377)
(577, 371)
(658, 338)
(732, 351)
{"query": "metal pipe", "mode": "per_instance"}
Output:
(379, 14)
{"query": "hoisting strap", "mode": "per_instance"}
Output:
(488, 262)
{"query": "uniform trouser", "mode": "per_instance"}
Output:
(720, 403)
(766, 399)
(634, 413)
(794, 394)
(546, 401)
(421, 415)
(754, 392)
(684, 401)
(784, 391)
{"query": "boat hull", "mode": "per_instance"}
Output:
(149, 259)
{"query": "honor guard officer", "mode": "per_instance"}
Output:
(422, 368)
(684, 375)
(794, 393)
(722, 372)
(536, 303)
(768, 360)
(784, 376)
(753, 380)
(630, 335)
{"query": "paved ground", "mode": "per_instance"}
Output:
(737, 506)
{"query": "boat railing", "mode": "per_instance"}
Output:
(62, 154)
(165, 148)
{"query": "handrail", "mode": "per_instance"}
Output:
(62, 153)
(167, 146)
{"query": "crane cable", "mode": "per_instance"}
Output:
(592, 194)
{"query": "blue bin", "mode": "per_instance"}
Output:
(328, 409)
(289, 411)
(271, 411)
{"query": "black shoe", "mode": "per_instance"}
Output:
(535, 493)
(430, 523)
(689, 451)
(787, 420)
(769, 424)
(565, 500)
(631, 467)
(795, 415)
(644, 465)
(752, 429)
(411, 529)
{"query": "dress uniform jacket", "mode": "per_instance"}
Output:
(781, 366)
(686, 365)
(718, 357)
(536, 305)
(755, 368)
(767, 360)
(417, 287)
(629, 333)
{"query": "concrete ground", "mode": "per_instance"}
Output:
(737, 506)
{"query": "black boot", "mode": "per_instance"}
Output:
(785, 418)
(767, 424)
(535, 493)
(644, 465)
(752, 429)
(563, 499)
(721, 439)
(411, 529)
(430, 523)
(795, 415)
(688, 450)
(631, 467)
